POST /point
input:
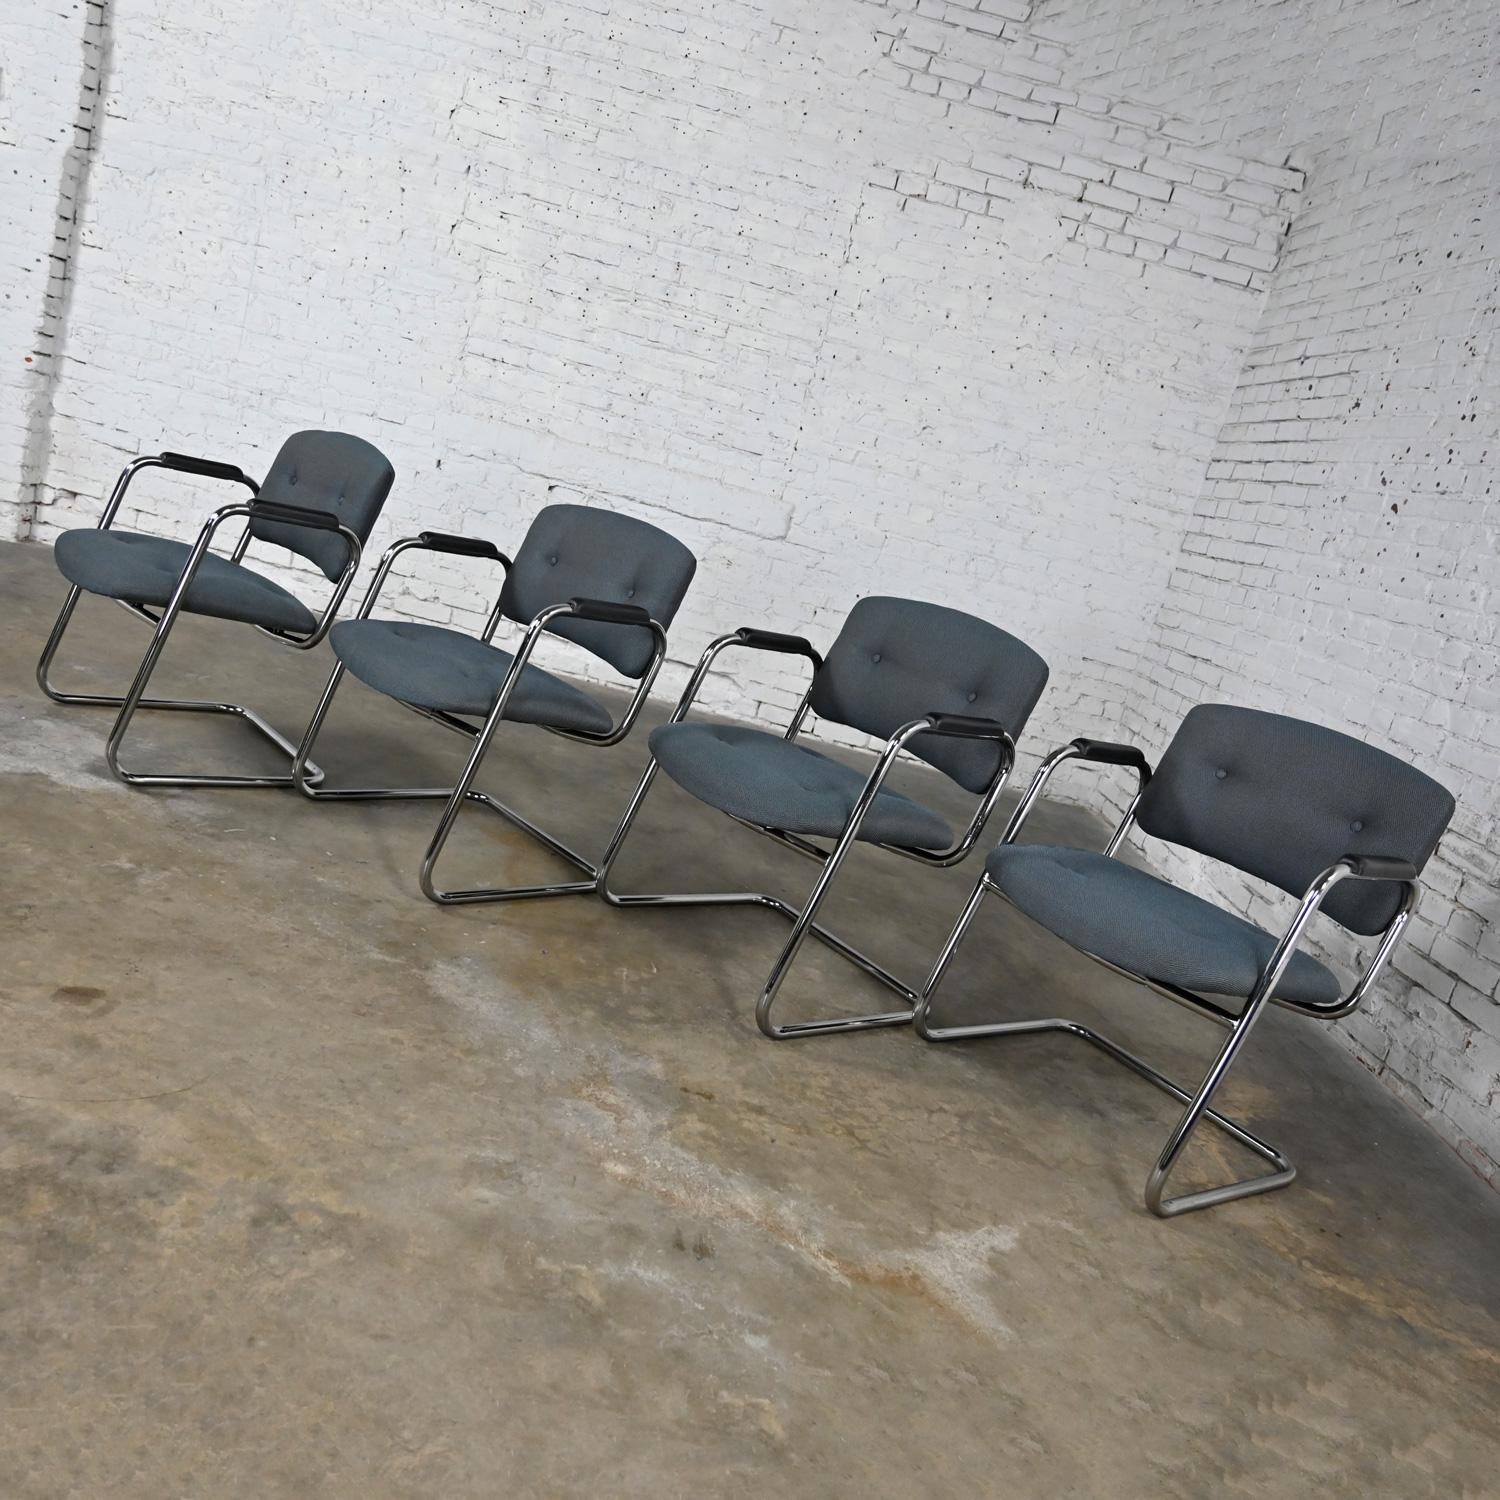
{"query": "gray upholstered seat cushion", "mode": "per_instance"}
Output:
(780, 784)
(145, 569)
(1145, 925)
(437, 668)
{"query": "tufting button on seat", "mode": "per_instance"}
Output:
(973, 697)
(553, 559)
(875, 657)
(1220, 774)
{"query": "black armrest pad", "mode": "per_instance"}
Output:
(1381, 867)
(1108, 754)
(610, 614)
(294, 515)
(462, 546)
(966, 726)
(774, 640)
(208, 467)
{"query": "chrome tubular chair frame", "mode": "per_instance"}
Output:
(1196, 1102)
(804, 921)
(134, 698)
(481, 734)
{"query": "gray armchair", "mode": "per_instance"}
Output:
(943, 686)
(1341, 825)
(607, 582)
(320, 499)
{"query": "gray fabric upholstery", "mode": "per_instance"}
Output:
(898, 659)
(437, 668)
(330, 471)
(145, 569)
(780, 784)
(1142, 924)
(1283, 800)
(577, 552)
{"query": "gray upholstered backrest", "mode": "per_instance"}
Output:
(576, 552)
(1283, 800)
(898, 659)
(325, 471)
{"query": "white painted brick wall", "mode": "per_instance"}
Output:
(42, 75)
(657, 258)
(1140, 182)
(978, 303)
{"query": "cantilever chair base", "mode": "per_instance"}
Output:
(478, 894)
(128, 704)
(803, 924)
(447, 794)
(1281, 1175)
(780, 1031)
(1282, 1171)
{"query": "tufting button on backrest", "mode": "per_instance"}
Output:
(1356, 826)
(1220, 774)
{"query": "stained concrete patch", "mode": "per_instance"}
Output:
(956, 1267)
(616, 1106)
(37, 740)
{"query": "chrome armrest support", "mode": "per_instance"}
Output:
(464, 546)
(955, 726)
(756, 640)
(582, 609)
(590, 609)
(435, 541)
(284, 516)
(177, 462)
(1350, 867)
(1100, 753)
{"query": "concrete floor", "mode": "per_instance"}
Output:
(310, 1188)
